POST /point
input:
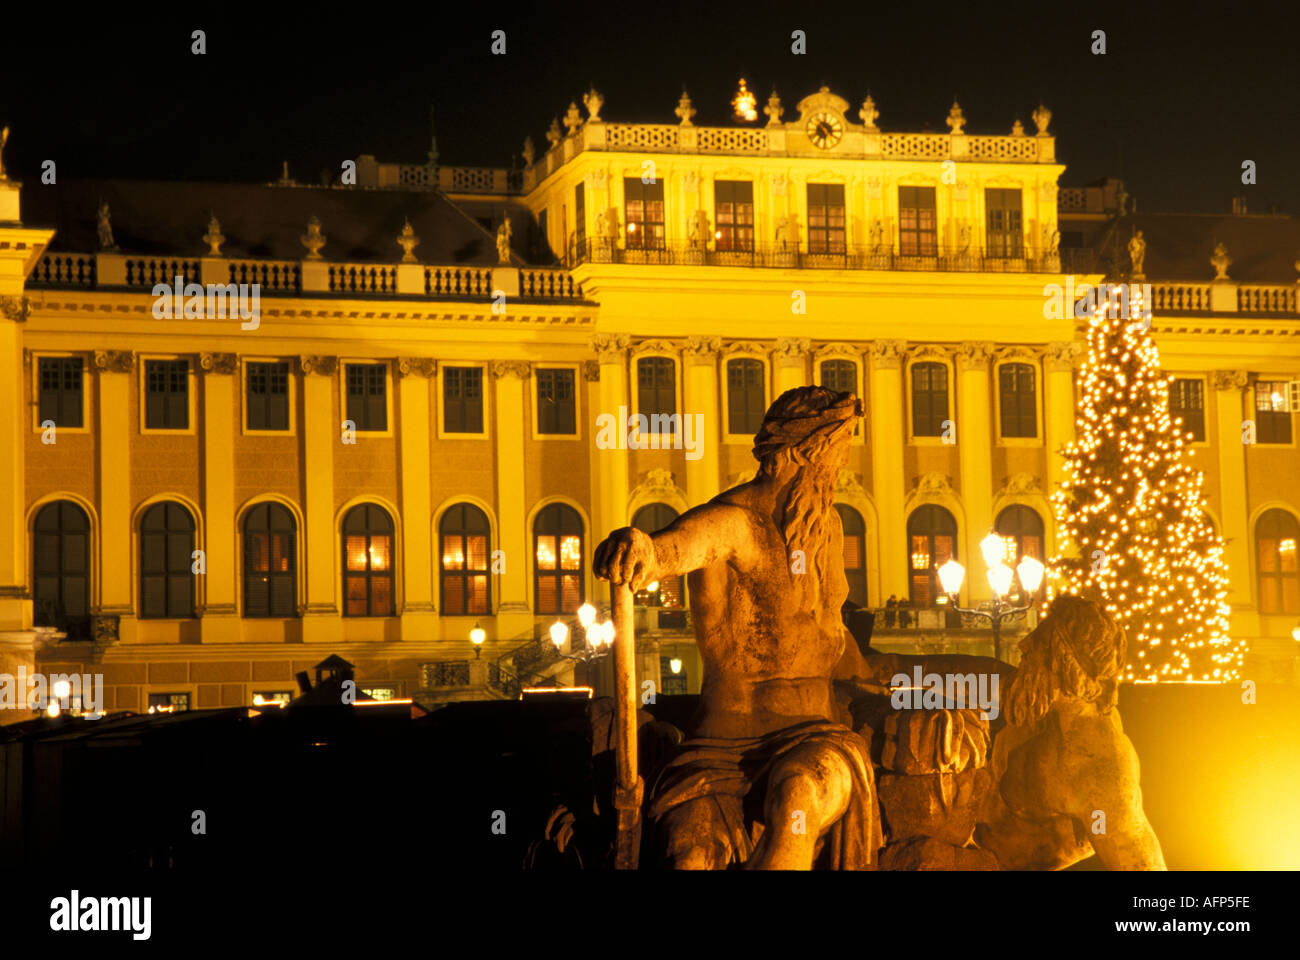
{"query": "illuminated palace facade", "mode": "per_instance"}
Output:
(400, 445)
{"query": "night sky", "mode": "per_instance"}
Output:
(1173, 108)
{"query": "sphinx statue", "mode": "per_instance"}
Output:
(768, 778)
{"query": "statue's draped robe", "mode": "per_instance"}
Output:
(727, 770)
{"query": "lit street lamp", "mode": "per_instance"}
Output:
(476, 637)
(1000, 577)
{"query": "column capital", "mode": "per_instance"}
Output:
(226, 363)
(1062, 354)
(509, 368)
(416, 366)
(702, 350)
(610, 347)
(325, 366)
(791, 352)
(114, 361)
(885, 354)
(1230, 379)
(591, 371)
(16, 309)
(974, 355)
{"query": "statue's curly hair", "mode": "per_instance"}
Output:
(1077, 651)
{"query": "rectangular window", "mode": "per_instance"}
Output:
(644, 213)
(1272, 412)
(734, 209)
(842, 377)
(1016, 400)
(60, 381)
(1005, 233)
(367, 400)
(271, 698)
(1187, 400)
(929, 399)
(656, 391)
(167, 397)
(745, 396)
(462, 399)
(672, 684)
(556, 412)
(826, 218)
(168, 702)
(268, 396)
(917, 230)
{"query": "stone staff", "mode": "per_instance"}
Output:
(629, 789)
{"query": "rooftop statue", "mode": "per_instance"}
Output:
(1137, 253)
(504, 233)
(768, 778)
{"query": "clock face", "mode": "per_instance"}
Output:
(825, 130)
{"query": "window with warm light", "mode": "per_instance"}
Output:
(917, 230)
(166, 562)
(855, 553)
(932, 542)
(746, 398)
(643, 212)
(826, 218)
(1277, 534)
(61, 569)
(558, 559)
(734, 212)
(270, 577)
(465, 545)
(1016, 400)
(929, 399)
(168, 702)
(1187, 401)
(368, 562)
(1272, 412)
(652, 518)
(1022, 528)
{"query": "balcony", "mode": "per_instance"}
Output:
(779, 256)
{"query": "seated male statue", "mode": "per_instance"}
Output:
(1065, 777)
(768, 779)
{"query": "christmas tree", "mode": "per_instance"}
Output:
(1132, 507)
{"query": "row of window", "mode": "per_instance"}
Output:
(733, 204)
(366, 402)
(61, 560)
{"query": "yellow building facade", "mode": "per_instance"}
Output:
(402, 447)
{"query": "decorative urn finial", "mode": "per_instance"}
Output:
(408, 241)
(530, 152)
(213, 237)
(774, 110)
(553, 135)
(955, 119)
(1017, 128)
(572, 119)
(684, 110)
(593, 101)
(869, 113)
(1042, 117)
(313, 239)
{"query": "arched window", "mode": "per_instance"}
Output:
(464, 542)
(745, 399)
(1276, 536)
(368, 562)
(557, 546)
(166, 562)
(932, 542)
(270, 573)
(652, 518)
(61, 568)
(1022, 528)
(855, 553)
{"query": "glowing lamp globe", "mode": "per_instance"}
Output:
(477, 635)
(53, 710)
(559, 634)
(994, 549)
(1031, 574)
(951, 575)
(1000, 578)
(586, 615)
(62, 688)
(675, 664)
(1295, 634)
(652, 587)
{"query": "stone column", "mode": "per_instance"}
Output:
(114, 370)
(17, 639)
(885, 359)
(700, 359)
(321, 430)
(419, 615)
(514, 615)
(219, 621)
(1058, 428)
(789, 365)
(975, 455)
(610, 467)
(1234, 509)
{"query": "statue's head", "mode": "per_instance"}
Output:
(1077, 651)
(807, 425)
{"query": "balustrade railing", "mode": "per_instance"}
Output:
(362, 278)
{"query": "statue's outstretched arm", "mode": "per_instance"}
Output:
(708, 534)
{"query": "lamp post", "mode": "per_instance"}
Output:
(1000, 577)
(599, 637)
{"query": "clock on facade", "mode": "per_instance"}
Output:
(825, 130)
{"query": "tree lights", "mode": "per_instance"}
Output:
(1131, 509)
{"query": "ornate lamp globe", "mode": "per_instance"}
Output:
(1031, 575)
(559, 634)
(586, 615)
(476, 637)
(951, 575)
(675, 664)
(1000, 578)
(994, 549)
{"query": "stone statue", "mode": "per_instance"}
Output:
(768, 778)
(4, 138)
(1063, 755)
(1221, 262)
(105, 228)
(504, 232)
(787, 232)
(530, 152)
(1137, 253)
(697, 228)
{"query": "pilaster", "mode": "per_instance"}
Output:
(1233, 506)
(1058, 428)
(419, 614)
(321, 430)
(514, 616)
(114, 370)
(219, 621)
(700, 377)
(885, 358)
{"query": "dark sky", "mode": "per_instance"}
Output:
(1183, 95)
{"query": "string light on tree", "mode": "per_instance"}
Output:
(1132, 508)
